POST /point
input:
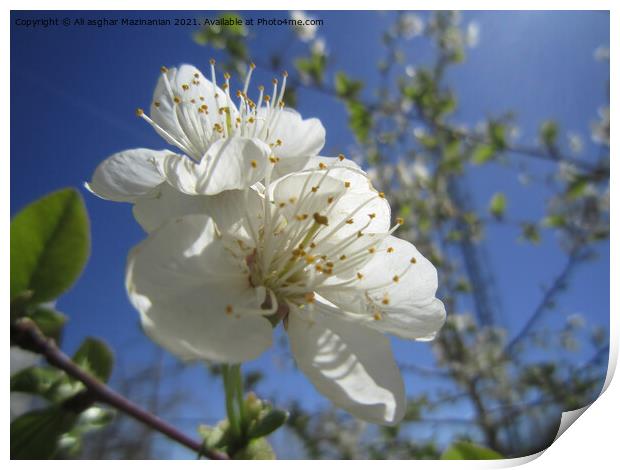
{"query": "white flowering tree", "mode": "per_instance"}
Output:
(250, 229)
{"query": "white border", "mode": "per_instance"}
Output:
(592, 442)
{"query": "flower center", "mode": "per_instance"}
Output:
(184, 118)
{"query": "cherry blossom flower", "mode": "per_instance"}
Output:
(313, 250)
(225, 146)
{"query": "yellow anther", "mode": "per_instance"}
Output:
(360, 276)
(341, 157)
(139, 112)
(329, 264)
(196, 75)
(204, 107)
(274, 81)
(413, 261)
(319, 268)
(273, 160)
(377, 316)
(322, 166)
(252, 65)
(229, 310)
(343, 257)
(372, 215)
(371, 249)
(360, 234)
(309, 296)
(312, 245)
(282, 204)
(400, 220)
(156, 104)
(349, 221)
(177, 100)
(278, 142)
(396, 279)
(163, 69)
(390, 249)
(251, 120)
(201, 98)
(347, 184)
(185, 87)
(385, 301)
(310, 259)
(382, 195)
(320, 219)
(330, 199)
(226, 76)
(285, 74)
(261, 87)
(254, 163)
(292, 200)
(314, 189)
(212, 61)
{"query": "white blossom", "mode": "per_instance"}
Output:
(224, 146)
(410, 25)
(305, 31)
(313, 249)
(472, 34)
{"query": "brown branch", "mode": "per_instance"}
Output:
(25, 334)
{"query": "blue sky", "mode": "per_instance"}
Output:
(73, 95)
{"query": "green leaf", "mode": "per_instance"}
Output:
(360, 120)
(549, 133)
(269, 423)
(555, 221)
(257, 449)
(35, 380)
(95, 356)
(50, 241)
(469, 451)
(35, 435)
(49, 321)
(482, 153)
(497, 206)
(530, 232)
(577, 187)
(345, 87)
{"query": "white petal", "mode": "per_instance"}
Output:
(300, 137)
(166, 203)
(293, 164)
(129, 175)
(234, 163)
(412, 311)
(351, 365)
(183, 280)
(164, 109)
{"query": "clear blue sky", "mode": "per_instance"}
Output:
(73, 95)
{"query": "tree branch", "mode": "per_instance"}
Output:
(25, 334)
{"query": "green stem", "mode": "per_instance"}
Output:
(230, 399)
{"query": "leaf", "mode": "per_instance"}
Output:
(269, 423)
(35, 435)
(95, 356)
(49, 321)
(530, 232)
(482, 153)
(35, 380)
(497, 206)
(577, 187)
(257, 449)
(345, 87)
(50, 242)
(468, 451)
(360, 120)
(549, 133)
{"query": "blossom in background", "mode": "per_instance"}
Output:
(410, 25)
(224, 146)
(600, 128)
(313, 250)
(305, 31)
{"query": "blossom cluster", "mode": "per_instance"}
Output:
(248, 227)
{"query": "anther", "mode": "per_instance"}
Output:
(400, 220)
(139, 112)
(320, 219)
(322, 166)
(396, 278)
(372, 215)
(229, 310)
(413, 260)
(382, 195)
(360, 276)
(163, 69)
(309, 296)
(254, 163)
(341, 157)
(390, 249)
(347, 184)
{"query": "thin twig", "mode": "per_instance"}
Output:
(25, 334)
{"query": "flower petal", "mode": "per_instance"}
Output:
(186, 90)
(193, 295)
(299, 137)
(235, 163)
(404, 304)
(166, 203)
(350, 364)
(129, 175)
